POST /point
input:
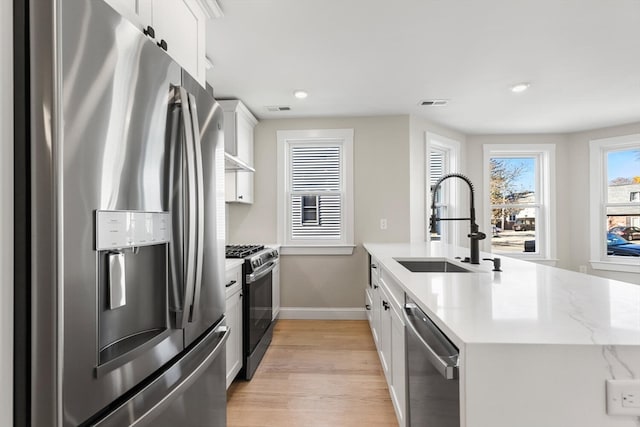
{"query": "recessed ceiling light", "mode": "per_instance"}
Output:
(520, 87)
(300, 94)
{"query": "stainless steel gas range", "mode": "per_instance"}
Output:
(257, 328)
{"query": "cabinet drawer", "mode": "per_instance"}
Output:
(374, 271)
(368, 305)
(233, 281)
(393, 288)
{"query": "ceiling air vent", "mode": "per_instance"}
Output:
(276, 108)
(434, 102)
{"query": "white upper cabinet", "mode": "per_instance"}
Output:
(238, 141)
(180, 24)
(136, 11)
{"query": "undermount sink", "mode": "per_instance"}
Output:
(431, 266)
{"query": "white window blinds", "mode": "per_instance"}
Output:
(436, 166)
(316, 191)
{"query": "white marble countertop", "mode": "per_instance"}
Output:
(526, 303)
(230, 263)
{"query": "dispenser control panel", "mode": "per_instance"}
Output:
(128, 229)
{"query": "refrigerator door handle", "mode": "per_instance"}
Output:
(199, 255)
(191, 206)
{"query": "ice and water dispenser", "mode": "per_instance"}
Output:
(133, 303)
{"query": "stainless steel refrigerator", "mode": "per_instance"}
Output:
(120, 252)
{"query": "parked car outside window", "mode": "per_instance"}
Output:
(617, 246)
(524, 225)
(628, 233)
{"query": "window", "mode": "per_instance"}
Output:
(442, 158)
(315, 200)
(520, 207)
(615, 203)
(310, 212)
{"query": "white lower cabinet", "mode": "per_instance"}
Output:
(233, 313)
(384, 349)
(368, 303)
(398, 386)
(384, 299)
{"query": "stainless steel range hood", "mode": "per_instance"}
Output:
(232, 163)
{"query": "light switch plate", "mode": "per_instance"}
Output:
(623, 397)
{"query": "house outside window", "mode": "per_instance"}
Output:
(614, 200)
(315, 191)
(442, 158)
(520, 212)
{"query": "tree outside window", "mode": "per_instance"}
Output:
(514, 204)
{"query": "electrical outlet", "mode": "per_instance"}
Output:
(383, 224)
(630, 400)
(623, 397)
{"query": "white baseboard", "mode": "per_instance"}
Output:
(323, 313)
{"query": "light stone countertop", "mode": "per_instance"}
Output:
(526, 303)
(231, 263)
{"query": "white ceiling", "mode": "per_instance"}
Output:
(369, 57)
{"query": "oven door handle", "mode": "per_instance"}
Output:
(263, 271)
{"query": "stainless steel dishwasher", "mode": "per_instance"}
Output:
(432, 368)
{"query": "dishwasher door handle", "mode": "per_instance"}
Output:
(448, 371)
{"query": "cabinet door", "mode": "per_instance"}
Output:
(234, 344)
(244, 147)
(275, 291)
(385, 334)
(136, 11)
(368, 304)
(244, 187)
(244, 134)
(398, 362)
(376, 308)
(181, 24)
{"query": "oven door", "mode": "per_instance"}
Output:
(258, 304)
(257, 310)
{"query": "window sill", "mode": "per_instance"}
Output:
(317, 250)
(619, 266)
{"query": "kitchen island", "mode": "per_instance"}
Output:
(536, 343)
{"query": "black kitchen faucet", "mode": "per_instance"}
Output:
(475, 235)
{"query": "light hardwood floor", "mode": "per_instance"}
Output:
(315, 373)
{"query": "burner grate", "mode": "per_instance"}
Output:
(242, 251)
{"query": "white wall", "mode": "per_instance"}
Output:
(475, 162)
(6, 213)
(417, 161)
(389, 183)
(572, 189)
(578, 180)
(381, 190)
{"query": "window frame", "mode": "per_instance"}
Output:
(285, 140)
(545, 193)
(598, 192)
(451, 150)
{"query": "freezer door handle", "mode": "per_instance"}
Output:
(199, 254)
(153, 399)
(191, 206)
